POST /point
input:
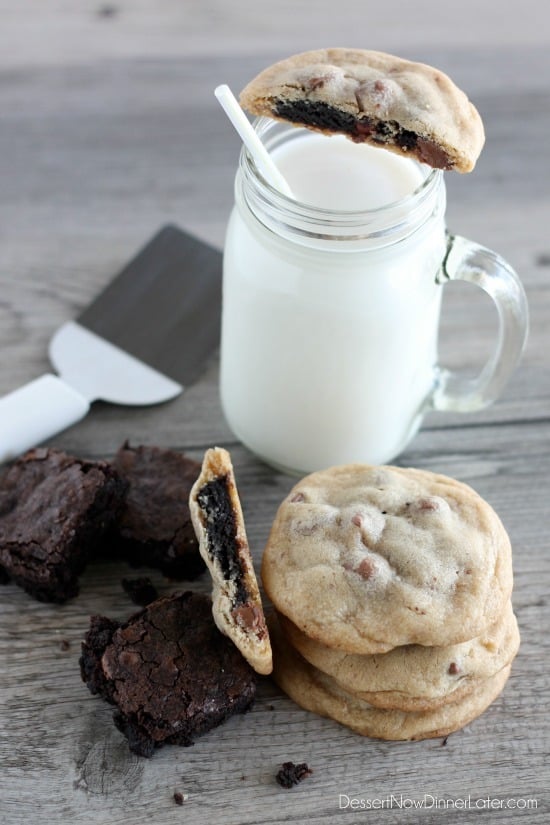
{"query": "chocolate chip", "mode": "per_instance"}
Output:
(179, 798)
(366, 569)
(428, 504)
(249, 617)
(317, 82)
(454, 669)
(432, 154)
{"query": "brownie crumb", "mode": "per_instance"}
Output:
(291, 774)
(179, 798)
(141, 591)
(65, 644)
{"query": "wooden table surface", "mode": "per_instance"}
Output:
(109, 129)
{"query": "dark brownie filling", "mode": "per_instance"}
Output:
(315, 114)
(323, 116)
(221, 530)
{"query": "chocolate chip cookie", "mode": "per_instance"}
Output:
(317, 692)
(364, 559)
(409, 108)
(219, 524)
(414, 677)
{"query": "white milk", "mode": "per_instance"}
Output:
(334, 173)
(329, 331)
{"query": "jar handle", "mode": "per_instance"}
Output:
(467, 261)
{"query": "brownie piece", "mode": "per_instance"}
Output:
(291, 774)
(155, 528)
(54, 509)
(168, 670)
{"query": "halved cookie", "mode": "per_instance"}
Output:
(409, 108)
(218, 521)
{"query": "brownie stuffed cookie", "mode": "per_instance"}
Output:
(406, 107)
(219, 524)
(363, 559)
(315, 691)
(414, 677)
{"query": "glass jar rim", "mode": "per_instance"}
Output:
(396, 217)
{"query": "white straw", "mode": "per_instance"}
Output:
(261, 156)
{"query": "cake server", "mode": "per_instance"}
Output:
(140, 342)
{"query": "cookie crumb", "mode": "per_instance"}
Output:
(141, 591)
(444, 741)
(291, 774)
(179, 798)
(65, 644)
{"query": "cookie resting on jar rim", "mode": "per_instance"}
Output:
(332, 296)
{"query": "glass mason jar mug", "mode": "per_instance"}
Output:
(330, 317)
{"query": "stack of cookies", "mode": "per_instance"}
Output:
(392, 591)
